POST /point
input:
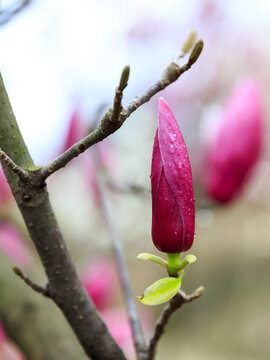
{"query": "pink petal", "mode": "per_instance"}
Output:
(167, 230)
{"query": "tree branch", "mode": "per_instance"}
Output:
(110, 123)
(137, 334)
(64, 285)
(40, 289)
(8, 13)
(11, 164)
(35, 324)
(177, 301)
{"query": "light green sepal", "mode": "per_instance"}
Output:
(161, 291)
(189, 259)
(154, 258)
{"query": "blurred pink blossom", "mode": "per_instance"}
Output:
(5, 193)
(8, 350)
(236, 143)
(75, 131)
(210, 10)
(2, 334)
(146, 28)
(13, 245)
(118, 325)
(99, 280)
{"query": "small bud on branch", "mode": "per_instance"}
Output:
(188, 44)
(124, 78)
(196, 52)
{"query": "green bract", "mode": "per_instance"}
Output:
(161, 291)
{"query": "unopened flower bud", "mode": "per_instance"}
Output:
(236, 144)
(173, 203)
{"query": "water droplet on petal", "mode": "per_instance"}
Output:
(180, 193)
(175, 233)
(172, 137)
(165, 141)
(172, 149)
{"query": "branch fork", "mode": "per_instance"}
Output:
(23, 175)
(180, 299)
(38, 288)
(63, 281)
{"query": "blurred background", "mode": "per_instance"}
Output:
(61, 62)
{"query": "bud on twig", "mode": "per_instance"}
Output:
(173, 209)
(196, 52)
(188, 44)
(124, 78)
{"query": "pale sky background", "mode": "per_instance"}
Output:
(58, 52)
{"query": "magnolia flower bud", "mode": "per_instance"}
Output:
(173, 203)
(236, 143)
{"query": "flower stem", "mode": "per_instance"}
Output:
(173, 264)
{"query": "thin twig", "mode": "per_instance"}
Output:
(180, 299)
(110, 122)
(12, 166)
(137, 334)
(40, 289)
(8, 13)
(128, 188)
(170, 75)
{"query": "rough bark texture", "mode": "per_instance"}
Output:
(34, 322)
(64, 285)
